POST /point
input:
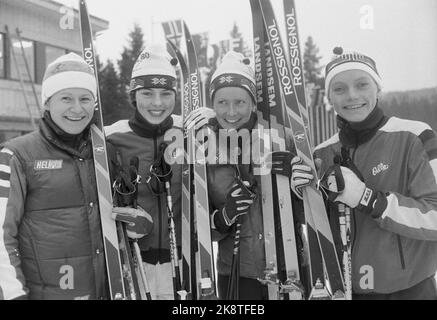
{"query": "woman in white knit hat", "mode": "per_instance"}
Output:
(153, 95)
(389, 169)
(232, 187)
(50, 240)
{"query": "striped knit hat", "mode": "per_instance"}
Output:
(68, 71)
(234, 71)
(154, 68)
(344, 61)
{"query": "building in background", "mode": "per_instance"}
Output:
(47, 30)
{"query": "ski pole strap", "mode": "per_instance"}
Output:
(346, 161)
(332, 182)
(124, 189)
(135, 177)
(125, 185)
(160, 168)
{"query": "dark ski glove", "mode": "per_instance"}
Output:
(238, 201)
(287, 164)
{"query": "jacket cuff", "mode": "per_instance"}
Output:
(373, 203)
(380, 205)
(220, 222)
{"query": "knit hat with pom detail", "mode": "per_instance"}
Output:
(154, 68)
(68, 71)
(234, 71)
(344, 61)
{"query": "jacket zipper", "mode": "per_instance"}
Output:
(94, 245)
(401, 252)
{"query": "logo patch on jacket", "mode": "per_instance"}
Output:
(47, 164)
(379, 168)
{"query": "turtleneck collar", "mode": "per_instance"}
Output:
(54, 133)
(145, 129)
(352, 134)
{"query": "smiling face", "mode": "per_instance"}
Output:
(354, 94)
(233, 107)
(72, 109)
(155, 104)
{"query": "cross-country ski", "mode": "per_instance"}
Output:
(222, 151)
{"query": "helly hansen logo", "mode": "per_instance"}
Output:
(379, 168)
(160, 81)
(47, 164)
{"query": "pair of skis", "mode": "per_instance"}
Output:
(123, 272)
(204, 285)
(198, 273)
(291, 97)
(276, 204)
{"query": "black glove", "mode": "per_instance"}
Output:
(281, 163)
(287, 164)
(238, 201)
(160, 168)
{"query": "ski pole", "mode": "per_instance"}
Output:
(134, 165)
(141, 269)
(124, 194)
(233, 283)
(345, 227)
(348, 276)
(344, 218)
(165, 176)
(173, 247)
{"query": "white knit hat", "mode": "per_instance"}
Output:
(154, 68)
(234, 71)
(68, 71)
(343, 61)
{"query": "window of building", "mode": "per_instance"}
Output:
(29, 54)
(52, 53)
(45, 54)
(2, 56)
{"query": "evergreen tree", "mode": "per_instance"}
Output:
(311, 61)
(235, 32)
(237, 38)
(128, 58)
(112, 95)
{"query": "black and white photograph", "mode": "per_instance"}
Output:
(224, 152)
